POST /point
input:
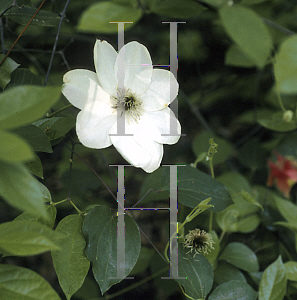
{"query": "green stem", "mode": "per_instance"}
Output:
(211, 168)
(58, 111)
(280, 102)
(62, 201)
(165, 252)
(76, 208)
(278, 92)
(221, 237)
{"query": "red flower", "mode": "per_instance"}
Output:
(283, 173)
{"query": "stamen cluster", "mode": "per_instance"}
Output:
(198, 241)
(128, 102)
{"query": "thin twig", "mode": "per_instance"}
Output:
(7, 54)
(63, 15)
(58, 111)
(70, 171)
(2, 36)
(278, 27)
(195, 111)
(134, 285)
(7, 9)
(145, 196)
(109, 190)
(151, 243)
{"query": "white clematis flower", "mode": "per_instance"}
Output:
(142, 102)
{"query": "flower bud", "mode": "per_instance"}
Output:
(198, 241)
(288, 116)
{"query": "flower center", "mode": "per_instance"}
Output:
(127, 102)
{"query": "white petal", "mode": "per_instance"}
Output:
(80, 86)
(137, 68)
(161, 92)
(94, 123)
(157, 124)
(139, 150)
(104, 59)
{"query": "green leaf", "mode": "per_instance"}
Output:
(291, 270)
(23, 76)
(213, 254)
(273, 284)
(70, 262)
(256, 277)
(214, 3)
(247, 196)
(287, 209)
(45, 192)
(34, 166)
(228, 219)
(100, 230)
(233, 290)
(237, 58)
(240, 256)
(13, 148)
(18, 283)
(292, 226)
(151, 188)
(97, 17)
(143, 261)
(36, 137)
(20, 189)
(288, 145)
(176, 8)
(4, 5)
(285, 67)
(226, 272)
(248, 31)
(198, 273)
(275, 121)
(195, 186)
(24, 238)
(6, 69)
(23, 15)
(55, 127)
(24, 104)
(252, 2)
(235, 183)
(50, 221)
(89, 290)
(201, 144)
(234, 220)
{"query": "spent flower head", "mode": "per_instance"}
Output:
(283, 173)
(198, 241)
(137, 102)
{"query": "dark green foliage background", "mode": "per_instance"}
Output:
(237, 74)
